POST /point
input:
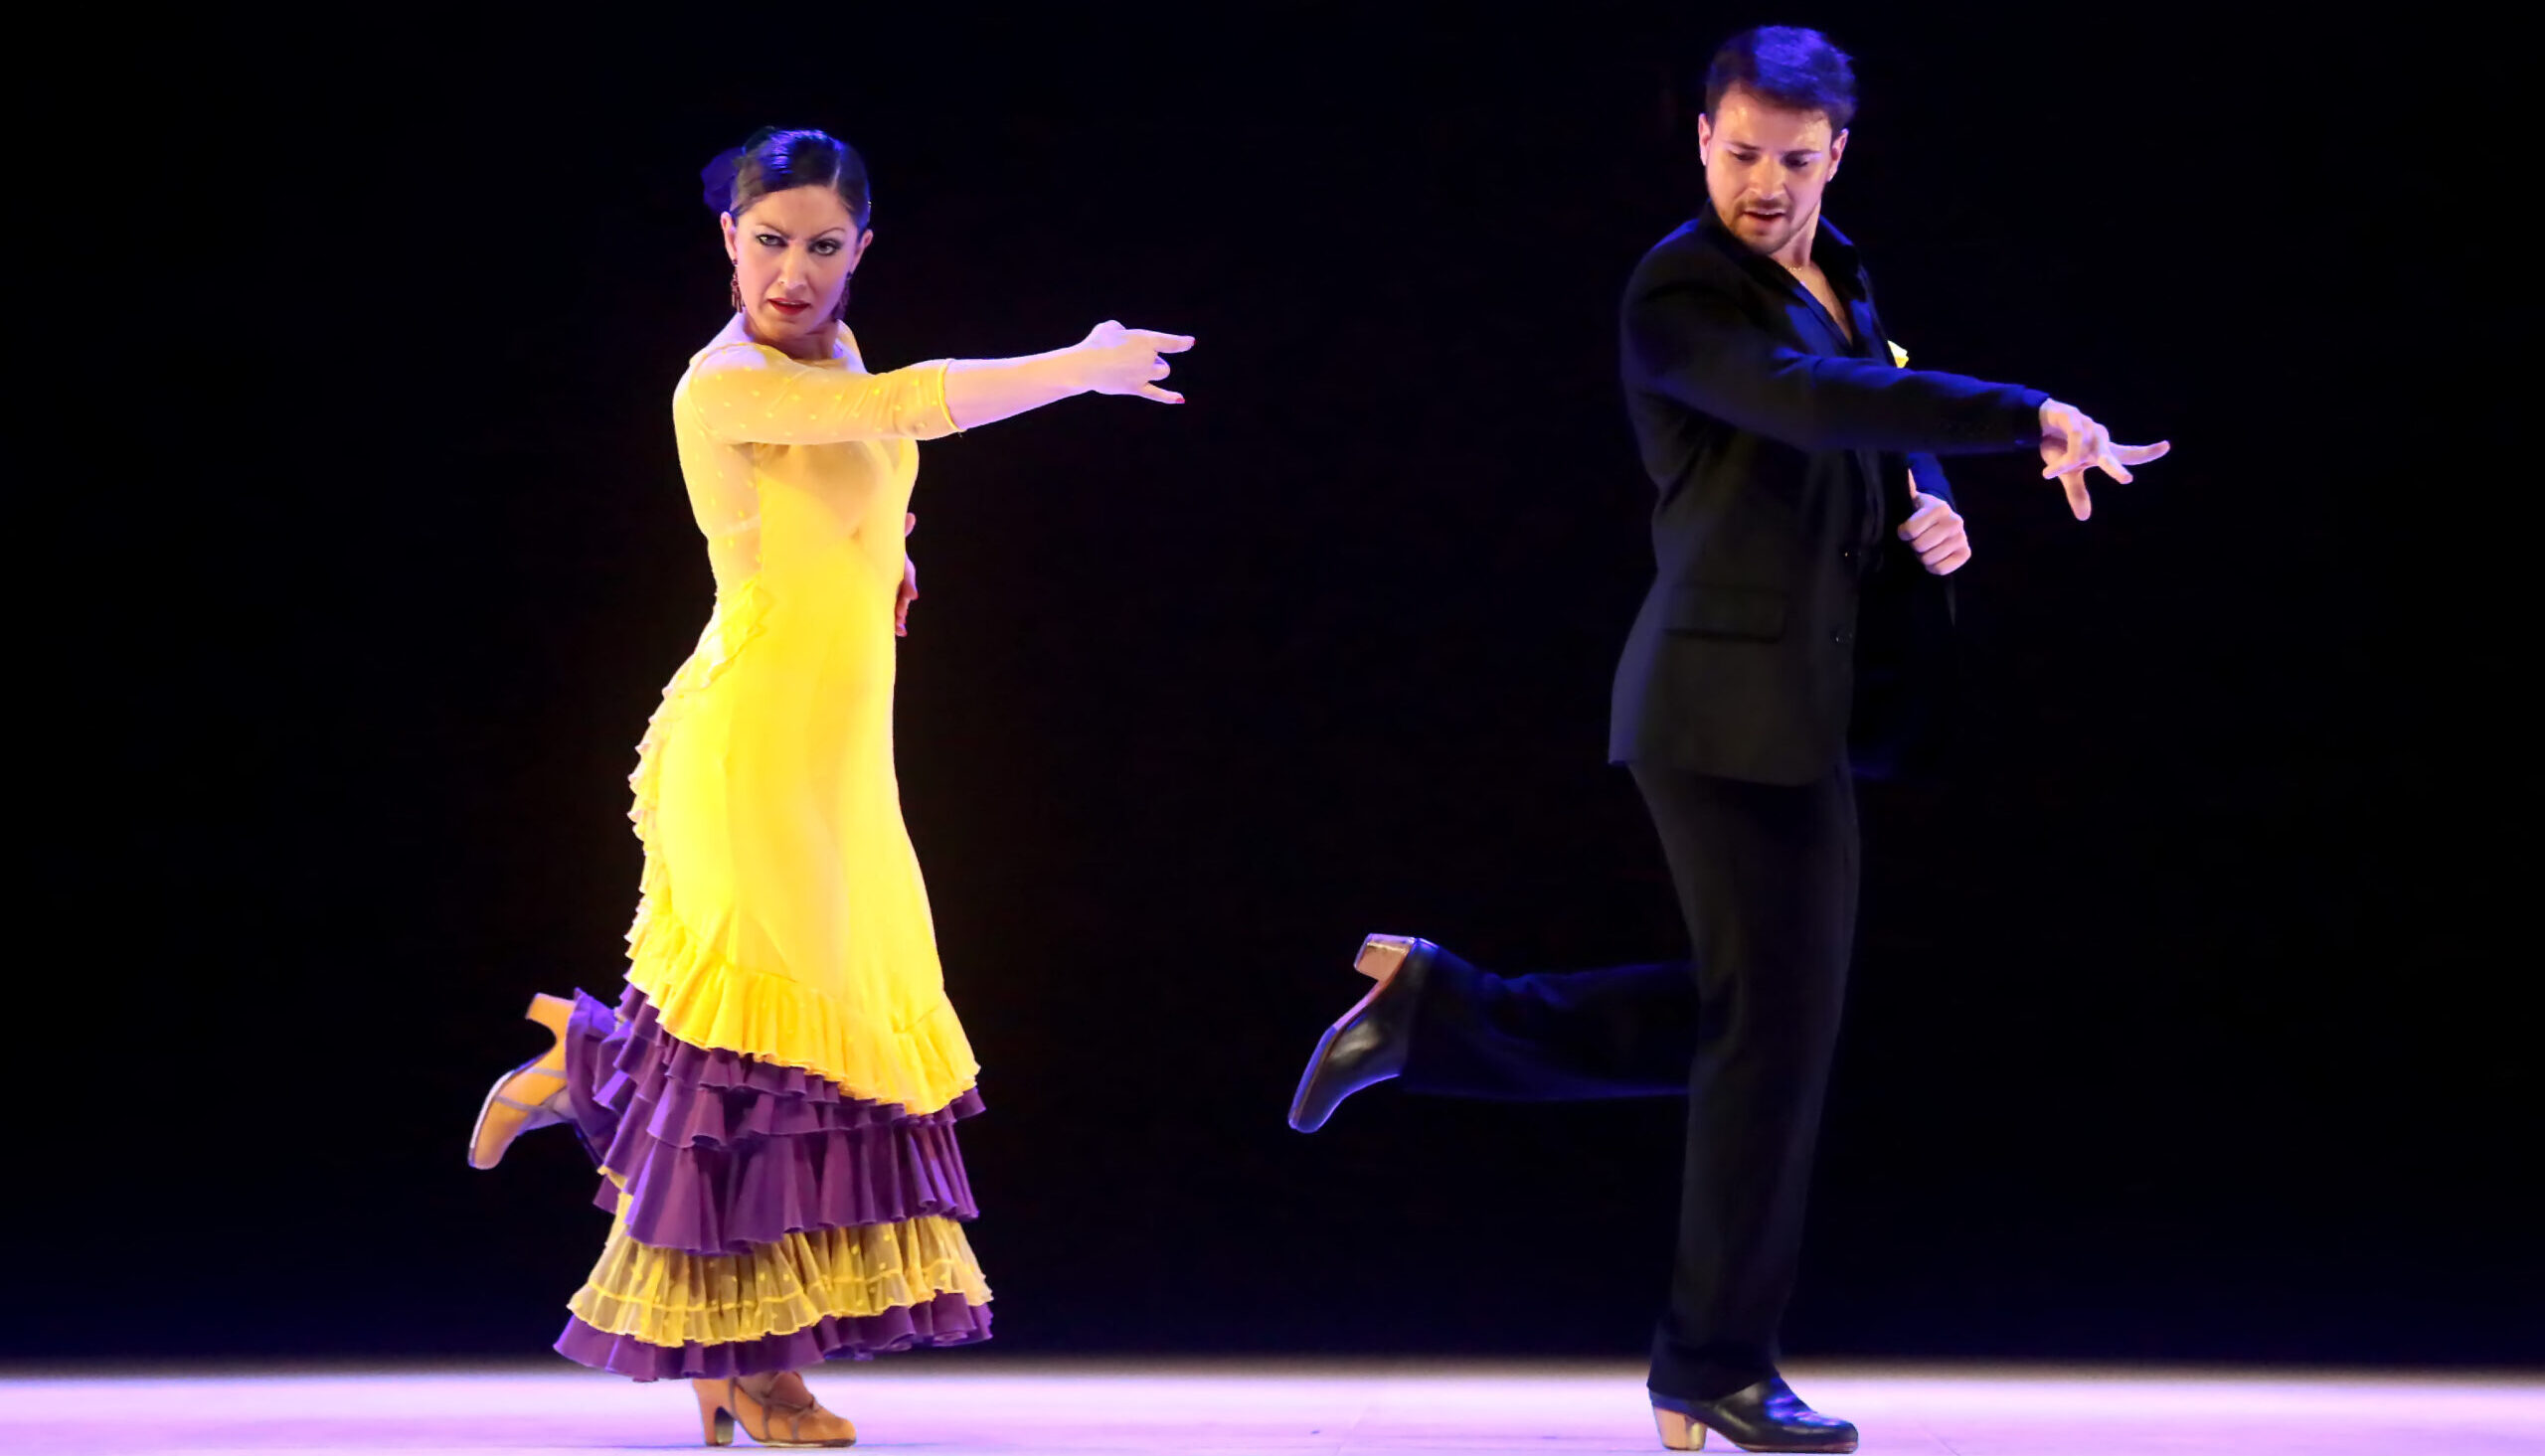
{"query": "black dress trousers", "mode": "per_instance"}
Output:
(1767, 877)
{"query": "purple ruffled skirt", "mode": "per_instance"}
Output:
(712, 1153)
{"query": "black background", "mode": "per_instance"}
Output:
(2186, 1022)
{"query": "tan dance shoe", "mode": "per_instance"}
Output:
(526, 1096)
(786, 1415)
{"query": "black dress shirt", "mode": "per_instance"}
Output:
(1782, 451)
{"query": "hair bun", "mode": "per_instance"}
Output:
(718, 176)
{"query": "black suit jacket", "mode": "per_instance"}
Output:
(1781, 453)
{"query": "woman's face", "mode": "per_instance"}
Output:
(792, 252)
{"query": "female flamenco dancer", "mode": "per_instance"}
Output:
(773, 1102)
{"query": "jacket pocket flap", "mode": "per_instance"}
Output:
(1753, 613)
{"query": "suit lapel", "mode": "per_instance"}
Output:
(1870, 344)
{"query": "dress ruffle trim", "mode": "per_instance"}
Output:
(709, 1094)
(670, 1298)
(707, 1001)
(948, 1319)
(717, 1153)
(742, 609)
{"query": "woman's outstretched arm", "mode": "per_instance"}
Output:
(1111, 360)
(746, 391)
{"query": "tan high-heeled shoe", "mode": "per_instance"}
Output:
(787, 1415)
(511, 1108)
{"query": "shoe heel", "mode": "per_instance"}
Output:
(1381, 955)
(531, 1108)
(715, 1410)
(552, 1012)
(1678, 1432)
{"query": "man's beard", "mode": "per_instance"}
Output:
(1768, 232)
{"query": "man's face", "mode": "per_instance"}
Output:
(1765, 166)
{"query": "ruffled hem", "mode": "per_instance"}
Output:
(706, 1001)
(672, 1297)
(590, 1031)
(785, 1100)
(947, 1320)
(718, 1154)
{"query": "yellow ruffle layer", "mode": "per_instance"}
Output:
(667, 1297)
(707, 1001)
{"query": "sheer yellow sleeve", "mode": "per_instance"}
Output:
(753, 394)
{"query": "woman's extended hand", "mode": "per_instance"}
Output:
(1119, 361)
(909, 594)
(1111, 360)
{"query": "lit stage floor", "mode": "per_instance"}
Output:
(944, 1409)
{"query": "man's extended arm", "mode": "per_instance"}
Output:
(1692, 343)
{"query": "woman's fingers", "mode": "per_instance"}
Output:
(1131, 361)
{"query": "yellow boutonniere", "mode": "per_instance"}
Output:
(1899, 356)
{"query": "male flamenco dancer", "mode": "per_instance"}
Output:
(1802, 534)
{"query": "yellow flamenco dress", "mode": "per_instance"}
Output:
(773, 1102)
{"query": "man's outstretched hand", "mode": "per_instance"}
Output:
(2072, 444)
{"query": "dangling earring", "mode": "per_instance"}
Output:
(733, 290)
(840, 315)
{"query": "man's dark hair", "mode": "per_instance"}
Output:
(1788, 67)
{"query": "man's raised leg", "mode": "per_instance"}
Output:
(1451, 1029)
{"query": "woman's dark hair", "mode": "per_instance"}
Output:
(774, 161)
(1787, 67)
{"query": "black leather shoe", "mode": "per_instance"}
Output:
(1367, 1046)
(1766, 1416)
